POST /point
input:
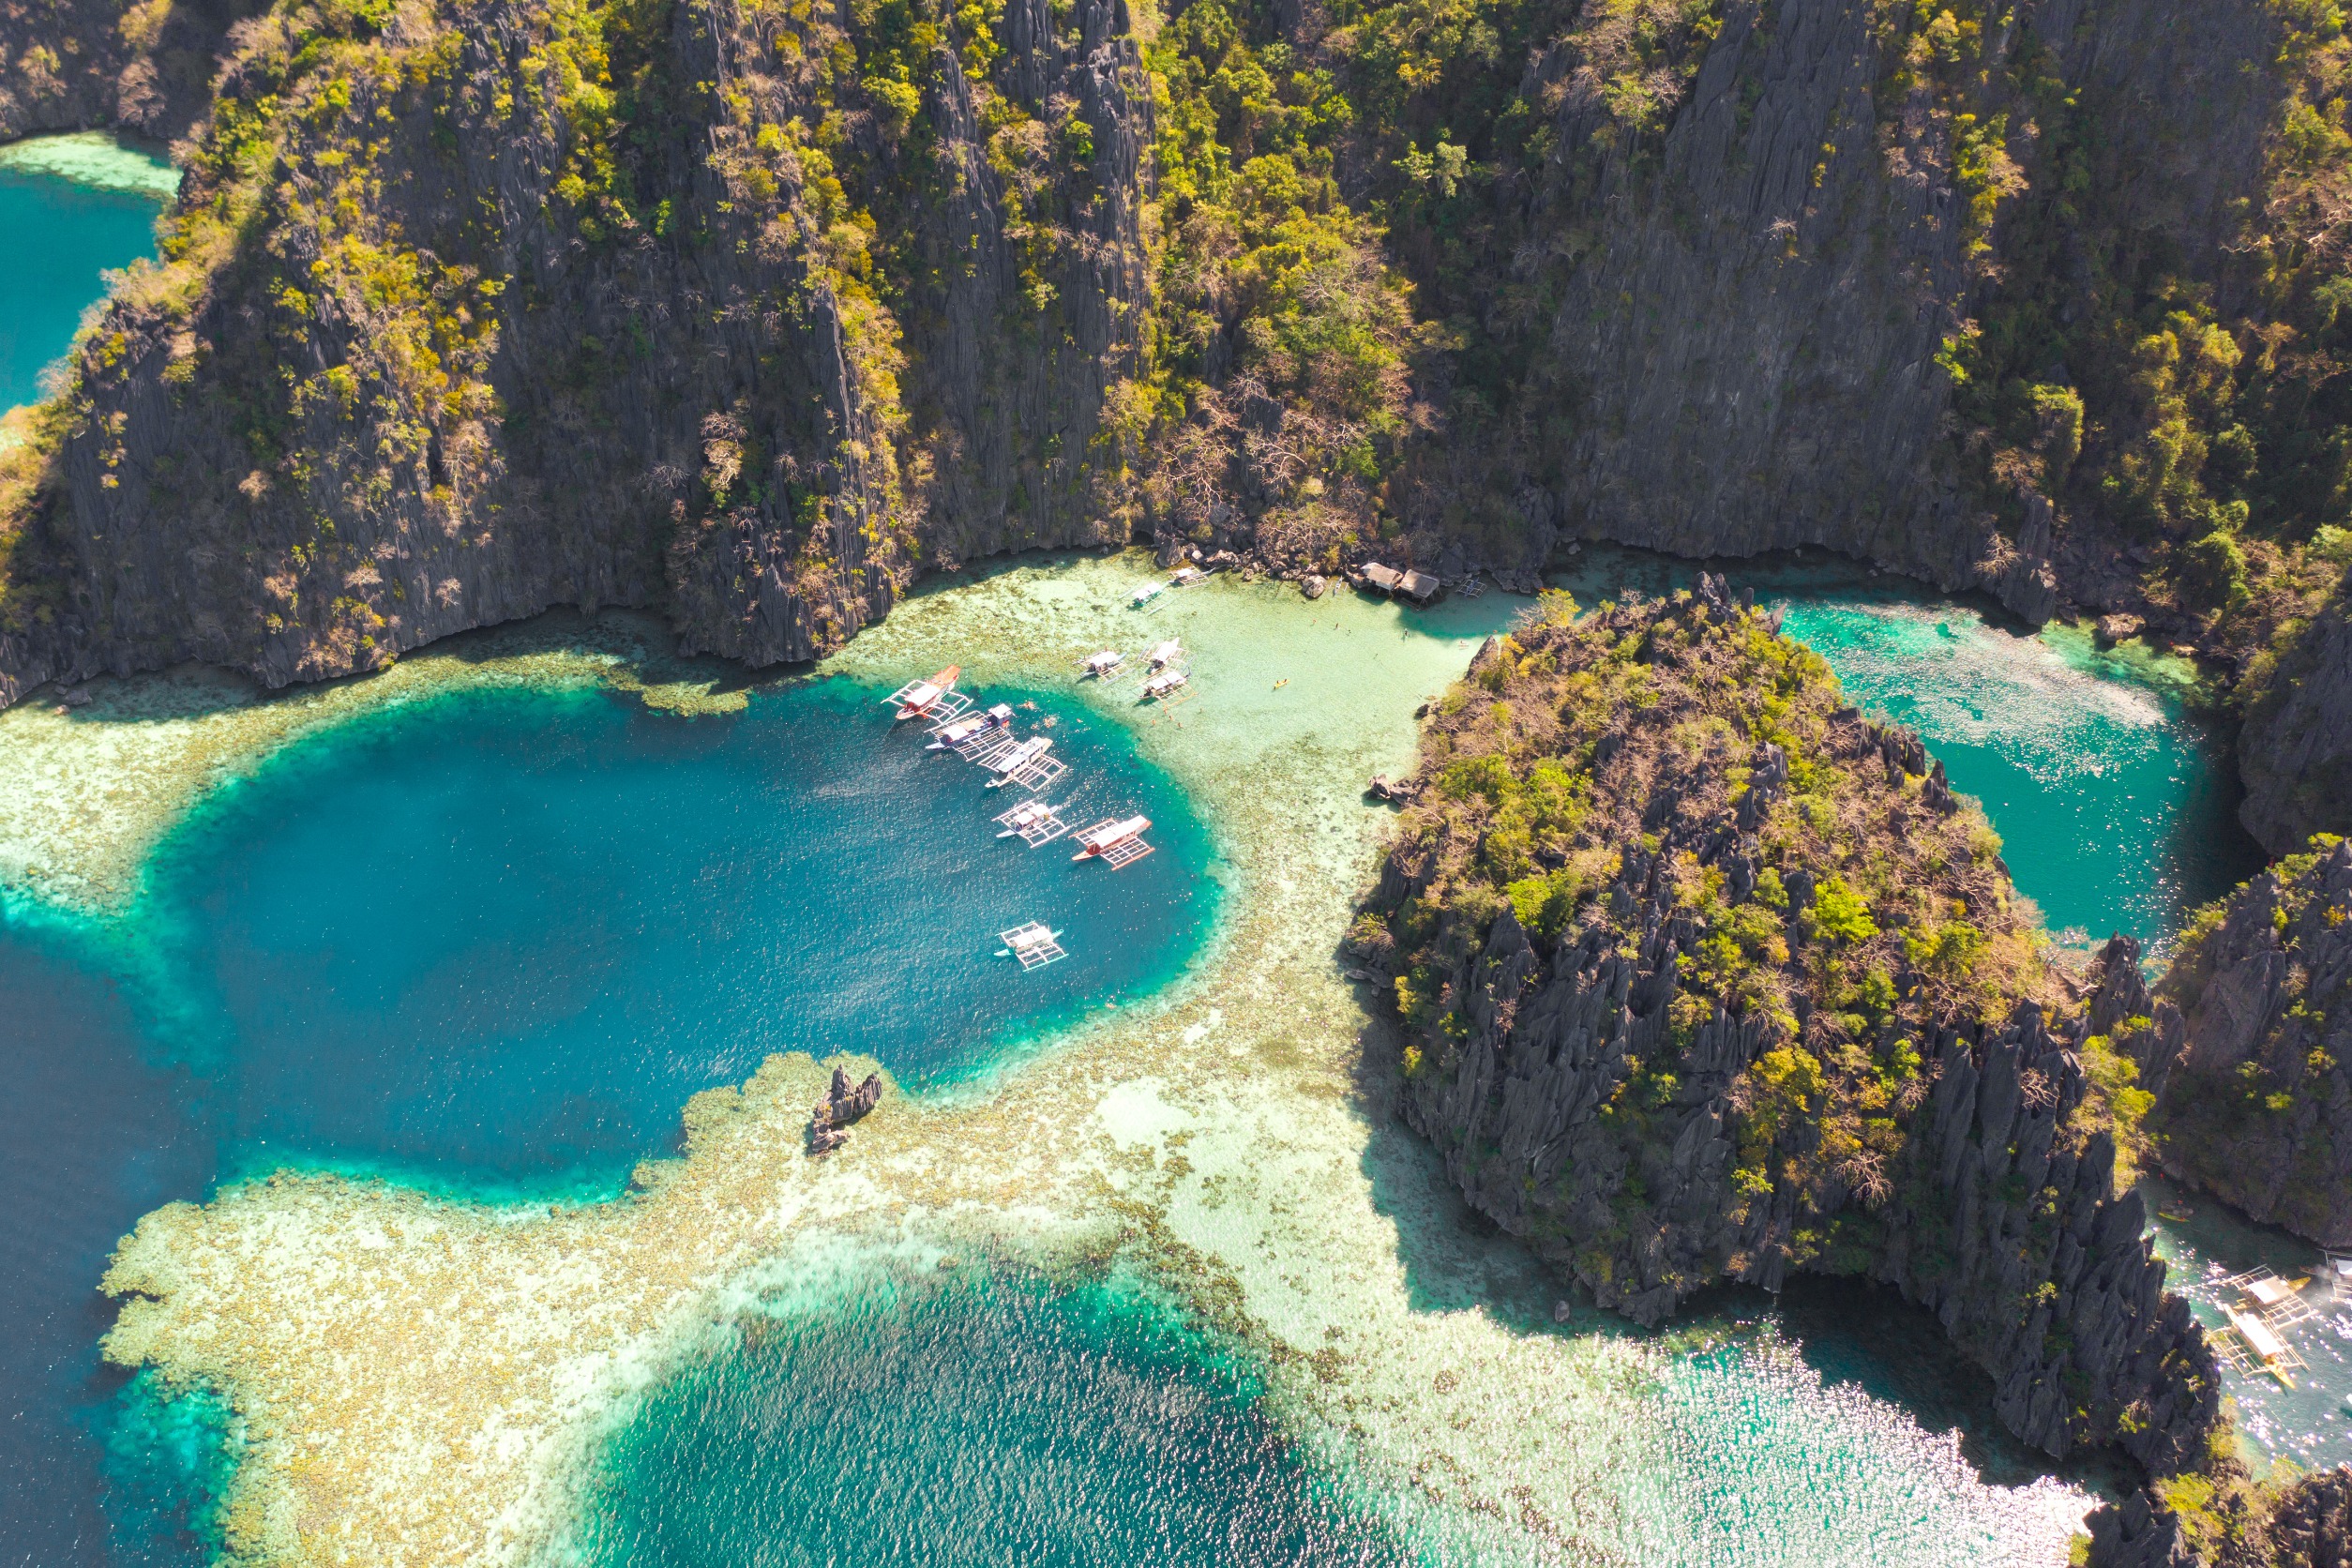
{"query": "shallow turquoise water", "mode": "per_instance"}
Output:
(2115, 800)
(58, 234)
(2310, 1423)
(967, 1418)
(493, 942)
(508, 935)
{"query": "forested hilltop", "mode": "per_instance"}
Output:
(752, 310)
(1698, 975)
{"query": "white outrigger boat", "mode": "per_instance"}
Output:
(1034, 945)
(1166, 654)
(1115, 840)
(1186, 576)
(917, 698)
(1027, 815)
(1008, 768)
(1099, 665)
(958, 731)
(1163, 684)
(1146, 593)
(1034, 823)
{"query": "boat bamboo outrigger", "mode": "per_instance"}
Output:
(958, 733)
(1117, 841)
(1186, 576)
(1034, 823)
(1163, 684)
(1166, 654)
(1034, 944)
(1099, 665)
(918, 697)
(1026, 764)
(1146, 593)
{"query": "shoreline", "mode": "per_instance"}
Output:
(419, 1379)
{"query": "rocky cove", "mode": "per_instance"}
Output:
(753, 316)
(1216, 1133)
(756, 317)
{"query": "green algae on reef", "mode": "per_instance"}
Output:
(422, 1380)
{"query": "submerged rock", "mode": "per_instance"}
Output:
(1701, 980)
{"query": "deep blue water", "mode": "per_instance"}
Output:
(972, 1419)
(509, 934)
(494, 941)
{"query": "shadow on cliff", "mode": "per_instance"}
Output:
(1845, 1332)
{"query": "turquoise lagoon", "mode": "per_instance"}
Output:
(972, 1417)
(491, 942)
(71, 207)
(2114, 793)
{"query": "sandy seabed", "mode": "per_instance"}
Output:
(425, 1382)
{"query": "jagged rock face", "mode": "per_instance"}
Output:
(2311, 1525)
(2304, 1524)
(1744, 355)
(1652, 1113)
(2256, 1106)
(2295, 752)
(81, 64)
(444, 368)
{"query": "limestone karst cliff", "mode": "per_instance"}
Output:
(1704, 977)
(623, 296)
(2295, 752)
(465, 314)
(2246, 1043)
(2229, 1521)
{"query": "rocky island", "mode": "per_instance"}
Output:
(1703, 976)
(2246, 1043)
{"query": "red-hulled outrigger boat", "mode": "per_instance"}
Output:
(923, 696)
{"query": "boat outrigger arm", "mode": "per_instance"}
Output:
(1118, 842)
(917, 698)
(956, 731)
(1009, 765)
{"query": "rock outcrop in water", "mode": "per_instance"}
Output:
(2246, 1045)
(1704, 977)
(470, 312)
(829, 1123)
